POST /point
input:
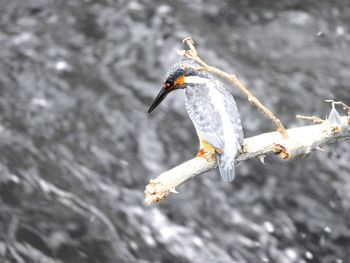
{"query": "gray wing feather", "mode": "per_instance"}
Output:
(204, 117)
(208, 123)
(226, 162)
(235, 120)
(232, 110)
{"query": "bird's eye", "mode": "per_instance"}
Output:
(169, 83)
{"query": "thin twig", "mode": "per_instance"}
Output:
(192, 54)
(314, 119)
(190, 43)
(345, 107)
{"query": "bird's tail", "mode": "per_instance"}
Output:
(226, 166)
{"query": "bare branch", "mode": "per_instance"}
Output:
(301, 142)
(190, 43)
(314, 119)
(345, 107)
(192, 54)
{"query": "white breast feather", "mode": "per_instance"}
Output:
(195, 80)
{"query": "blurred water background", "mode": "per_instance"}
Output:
(77, 146)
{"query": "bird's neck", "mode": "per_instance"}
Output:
(195, 80)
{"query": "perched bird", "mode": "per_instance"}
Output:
(212, 110)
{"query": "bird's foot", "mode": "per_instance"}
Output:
(201, 153)
(206, 150)
(205, 154)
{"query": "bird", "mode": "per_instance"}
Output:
(212, 109)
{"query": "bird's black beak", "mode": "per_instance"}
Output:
(160, 97)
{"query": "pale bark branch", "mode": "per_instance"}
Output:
(314, 119)
(301, 142)
(192, 54)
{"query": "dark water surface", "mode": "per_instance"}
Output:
(78, 147)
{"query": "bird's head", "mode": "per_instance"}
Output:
(178, 77)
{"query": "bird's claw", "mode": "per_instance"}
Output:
(205, 154)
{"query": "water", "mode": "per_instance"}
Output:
(78, 147)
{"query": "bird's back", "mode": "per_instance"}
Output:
(215, 116)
